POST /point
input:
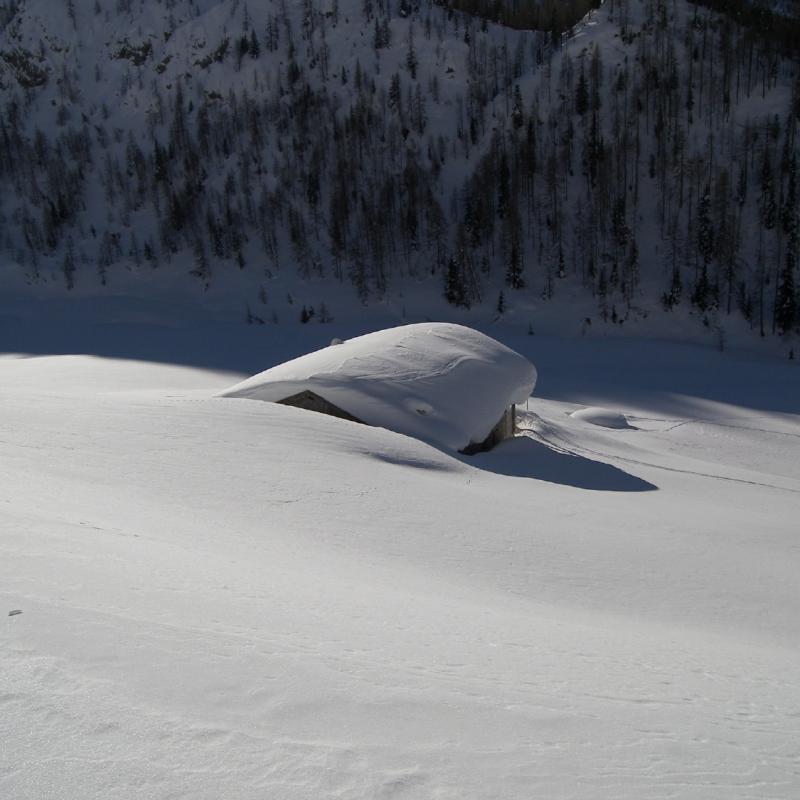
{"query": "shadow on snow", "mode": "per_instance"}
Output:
(523, 457)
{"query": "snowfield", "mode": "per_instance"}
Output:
(224, 599)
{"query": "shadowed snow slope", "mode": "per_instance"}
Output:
(442, 383)
(245, 601)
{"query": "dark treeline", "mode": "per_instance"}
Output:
(645, 176)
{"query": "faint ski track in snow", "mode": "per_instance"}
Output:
(712, 422)
(560, 443)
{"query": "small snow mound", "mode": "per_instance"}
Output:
(418, 406)
(442, 383)
(602, 417)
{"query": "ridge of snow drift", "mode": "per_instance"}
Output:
(442, 383)
(602, 417)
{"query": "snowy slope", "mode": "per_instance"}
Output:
(445, 384)
(243, 600)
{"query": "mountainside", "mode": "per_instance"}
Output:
(645, 159)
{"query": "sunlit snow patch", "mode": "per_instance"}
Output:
(446, 384)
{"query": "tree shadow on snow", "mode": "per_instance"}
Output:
(523, 457)
(147, 328)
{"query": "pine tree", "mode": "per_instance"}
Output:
(517, 110)
(672, 297)
(201, 269)
(786, 312)
(396, 94)
(786, 308)
(255, 47)
(68, 265)
(705, 230)
(619, 224)
(702, 295)
(514, 269)
(377, 39)
(455, 289)
(741, 186)
(594, 150)
(767, 205)
(419, 112)
(789, 220)
(602, 294)
(411, 55)
(582, 94)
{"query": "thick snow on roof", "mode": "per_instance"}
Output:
(445, 384)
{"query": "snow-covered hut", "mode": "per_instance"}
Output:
(445, 384)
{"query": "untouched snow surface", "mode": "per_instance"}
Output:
(244, 601)
(445, 384)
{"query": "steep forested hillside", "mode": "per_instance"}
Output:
(645, 157)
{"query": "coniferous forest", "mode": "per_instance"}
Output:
(644, 154)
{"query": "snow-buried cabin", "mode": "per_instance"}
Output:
(445, 384)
